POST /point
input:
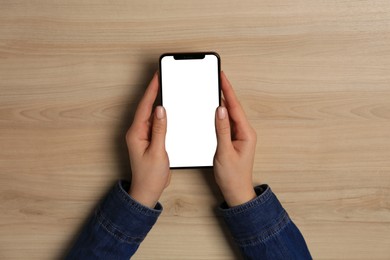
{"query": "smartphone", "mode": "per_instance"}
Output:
(190, 94)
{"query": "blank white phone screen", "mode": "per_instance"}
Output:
(190, 96)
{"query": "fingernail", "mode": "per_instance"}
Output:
(221, 111)
(160, 112)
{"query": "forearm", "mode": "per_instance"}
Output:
(117, 227)
(263, 230)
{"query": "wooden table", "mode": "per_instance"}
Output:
(313, 77)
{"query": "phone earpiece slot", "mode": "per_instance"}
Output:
(189, 56)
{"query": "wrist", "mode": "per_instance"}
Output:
(239, 196)
(145, 199)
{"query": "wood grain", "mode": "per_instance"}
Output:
(313, 77)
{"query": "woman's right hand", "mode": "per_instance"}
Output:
(233, 160)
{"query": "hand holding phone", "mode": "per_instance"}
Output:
(233, 162)
(146, 144)
(233, 159)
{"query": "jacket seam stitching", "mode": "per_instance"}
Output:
(284, 220)
(130, 202)
(114, 231)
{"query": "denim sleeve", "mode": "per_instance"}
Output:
(117, 227)
(263, 230)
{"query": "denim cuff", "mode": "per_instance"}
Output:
(125, 218)
(257, 220)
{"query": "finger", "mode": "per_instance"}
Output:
(222, 127)
(234, 106)
(236, 113)
(223, 102)
(145, 106)
(159, 129)
(169, 180)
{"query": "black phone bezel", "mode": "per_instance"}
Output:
(188, 56)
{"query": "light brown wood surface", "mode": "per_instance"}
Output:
(313, 77)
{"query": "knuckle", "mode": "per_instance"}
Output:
(157, 154)
(158, 129)
(130, 136)
(252, 134)
(224, 129)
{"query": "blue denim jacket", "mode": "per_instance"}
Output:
(261, 228)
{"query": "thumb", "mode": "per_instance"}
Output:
(222, 126)
(159, 129)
